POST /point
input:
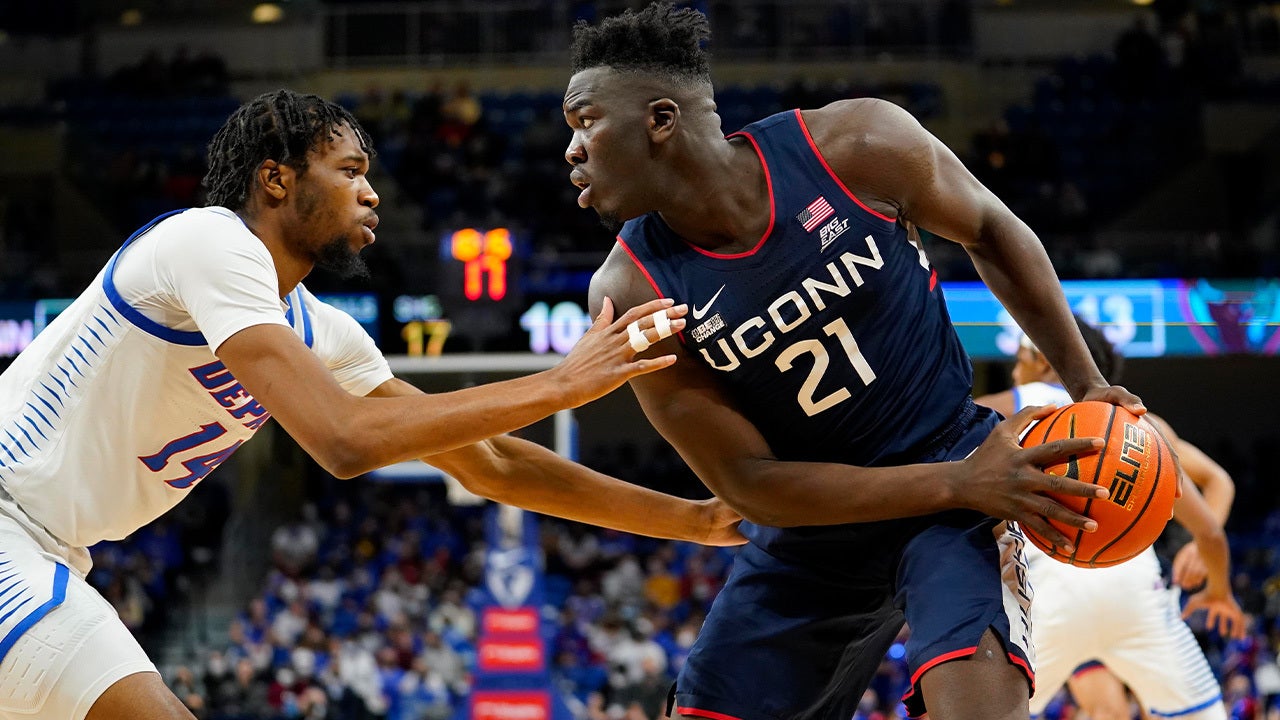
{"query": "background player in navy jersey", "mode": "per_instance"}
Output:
(821, 386)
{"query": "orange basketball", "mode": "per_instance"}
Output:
(1136, 465)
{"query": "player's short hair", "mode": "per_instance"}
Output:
(660, 39)
(1110, 361)
(280, 125)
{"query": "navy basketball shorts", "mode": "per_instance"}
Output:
(798, 633)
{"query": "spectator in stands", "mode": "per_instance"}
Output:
(189, 689)
(242, 696)
(294, 547)
(444, 661)
(649, 690)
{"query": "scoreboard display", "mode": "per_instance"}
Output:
(1142, 318)
(491, 308)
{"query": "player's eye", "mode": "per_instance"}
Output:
(585, 122)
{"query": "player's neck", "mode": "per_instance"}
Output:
(719, 199)
(291, 267)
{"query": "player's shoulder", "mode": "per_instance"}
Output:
(874, 116)
(201, 230)
(864, 127)
(213, 217)
(620, 279)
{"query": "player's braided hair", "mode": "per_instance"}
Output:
(659, 39)
(280, 125)
(1109, 360)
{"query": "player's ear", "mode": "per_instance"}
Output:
(664, 116)
(271, 177)
(1042, 362)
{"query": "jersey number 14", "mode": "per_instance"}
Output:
(197, 467)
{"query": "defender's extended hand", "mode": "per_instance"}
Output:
(1225, 614)
(605, 357)
(1005, 480)
(1189, 571)
(722, 524)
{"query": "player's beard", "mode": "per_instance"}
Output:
(338, 257)
(611, 221)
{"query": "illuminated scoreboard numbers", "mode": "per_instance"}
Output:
(425, 337)
(554, 329)
(1130, 313)
(483, 255)
(423, 327)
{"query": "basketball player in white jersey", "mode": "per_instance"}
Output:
(196, 332)
(1123, 616)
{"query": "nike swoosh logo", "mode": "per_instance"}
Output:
(698, 312)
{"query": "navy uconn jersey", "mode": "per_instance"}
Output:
(831, 334)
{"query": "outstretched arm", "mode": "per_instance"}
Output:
(886, 158)
(524, 474)
(1193, 513)
(350, 435)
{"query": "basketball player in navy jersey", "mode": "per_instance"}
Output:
(821, 390)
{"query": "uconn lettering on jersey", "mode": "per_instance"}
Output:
(757, 334)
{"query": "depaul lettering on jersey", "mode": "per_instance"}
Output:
(230, 394)
(753, 336)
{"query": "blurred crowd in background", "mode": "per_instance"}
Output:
(371, 607)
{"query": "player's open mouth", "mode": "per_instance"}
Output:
(578, 180)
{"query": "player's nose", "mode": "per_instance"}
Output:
(576, 153)
(368, 196)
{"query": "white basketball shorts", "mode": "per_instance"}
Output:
(61, 643)
(1125, 618)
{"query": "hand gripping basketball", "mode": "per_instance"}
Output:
(1136, 466)
(605, 357)
(1006, 481)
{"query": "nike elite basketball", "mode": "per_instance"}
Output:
(1137, 467)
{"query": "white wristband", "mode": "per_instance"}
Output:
(639, 342)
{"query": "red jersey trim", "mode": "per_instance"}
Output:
(964, 653)
(645, 271)
(768, 180)
(814, 147)
(695, 712)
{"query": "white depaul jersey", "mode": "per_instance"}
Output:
(120, 406)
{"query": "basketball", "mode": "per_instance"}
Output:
(1136, 465)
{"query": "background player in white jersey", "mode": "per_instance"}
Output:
(1123, 616)
(196, 332)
